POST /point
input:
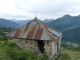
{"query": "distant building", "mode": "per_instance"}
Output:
(38, 37)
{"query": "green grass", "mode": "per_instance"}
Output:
(3, 55)
(11, 51)
(74, 54)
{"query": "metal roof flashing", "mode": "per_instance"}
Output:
(54, 32)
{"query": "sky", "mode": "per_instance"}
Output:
(46, 9)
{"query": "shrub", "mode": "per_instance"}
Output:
(21, 54)
(11, 44)
(13, 50)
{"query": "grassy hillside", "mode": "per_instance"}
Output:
(74, 53)
(4, 30)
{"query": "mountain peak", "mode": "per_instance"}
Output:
(67, 15)
(48, 20)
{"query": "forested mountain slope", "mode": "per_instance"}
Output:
(69, 26)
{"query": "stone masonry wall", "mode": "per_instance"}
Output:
(32, 45)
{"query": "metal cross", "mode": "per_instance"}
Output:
(35, 14)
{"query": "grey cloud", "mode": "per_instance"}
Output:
(51, 8)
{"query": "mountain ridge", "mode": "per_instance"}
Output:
(8, 23)
(69, 26)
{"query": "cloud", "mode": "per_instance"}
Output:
(44, 8)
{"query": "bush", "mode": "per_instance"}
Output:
(11, 44)
(21, 55)
(14, 51)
